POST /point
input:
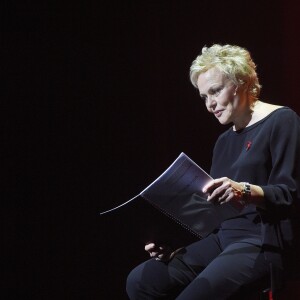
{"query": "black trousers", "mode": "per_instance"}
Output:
(208, 269)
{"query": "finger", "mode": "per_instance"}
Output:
(149, 247)
(210, 186)
(214, 184)
(219, 193)
(153, 254)
(207, 186)
(225, 194)
(163, 256)
(227, 199)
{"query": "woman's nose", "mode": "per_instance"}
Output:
(211, 102)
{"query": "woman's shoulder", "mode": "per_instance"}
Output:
(269, 111)
(284, 112)
(282, 121)
(264, 109)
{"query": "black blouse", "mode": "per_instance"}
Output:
(266, 154)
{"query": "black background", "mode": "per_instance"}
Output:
(96, 103)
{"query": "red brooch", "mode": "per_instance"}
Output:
(248, 145)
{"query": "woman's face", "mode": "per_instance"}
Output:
(222, 97)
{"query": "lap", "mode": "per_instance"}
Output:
(158, 278)
(201, 268)
(238, 265)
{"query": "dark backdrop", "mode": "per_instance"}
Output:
(96, 103)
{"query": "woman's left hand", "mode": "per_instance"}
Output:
(223, 190)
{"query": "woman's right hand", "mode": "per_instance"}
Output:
(161, 252)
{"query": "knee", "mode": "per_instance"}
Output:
(150, 280)
(133, 284)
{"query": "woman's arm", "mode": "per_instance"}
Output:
(279, 144)
(223, 190)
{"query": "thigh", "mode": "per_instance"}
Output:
(155, 279)
(239, 264)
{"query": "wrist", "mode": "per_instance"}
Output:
(246, 193)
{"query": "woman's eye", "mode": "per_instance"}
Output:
(217, 92)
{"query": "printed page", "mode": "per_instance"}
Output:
(178, 198)
(178, 194)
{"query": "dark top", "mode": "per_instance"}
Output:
(266, 154)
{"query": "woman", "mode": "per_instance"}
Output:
(254, 162)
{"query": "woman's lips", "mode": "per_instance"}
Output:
(218, 113)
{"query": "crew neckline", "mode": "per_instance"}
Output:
(247, 128)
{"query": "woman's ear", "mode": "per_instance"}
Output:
(245, 86)
(235, 90)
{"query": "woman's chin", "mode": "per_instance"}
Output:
(224, 121)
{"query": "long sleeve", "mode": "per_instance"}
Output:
(284, 178)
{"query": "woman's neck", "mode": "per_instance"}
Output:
(257, 111)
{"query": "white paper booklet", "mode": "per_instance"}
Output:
(177, 193)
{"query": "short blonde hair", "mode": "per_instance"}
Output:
(234, 61)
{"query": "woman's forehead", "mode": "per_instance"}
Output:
(211, 76)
